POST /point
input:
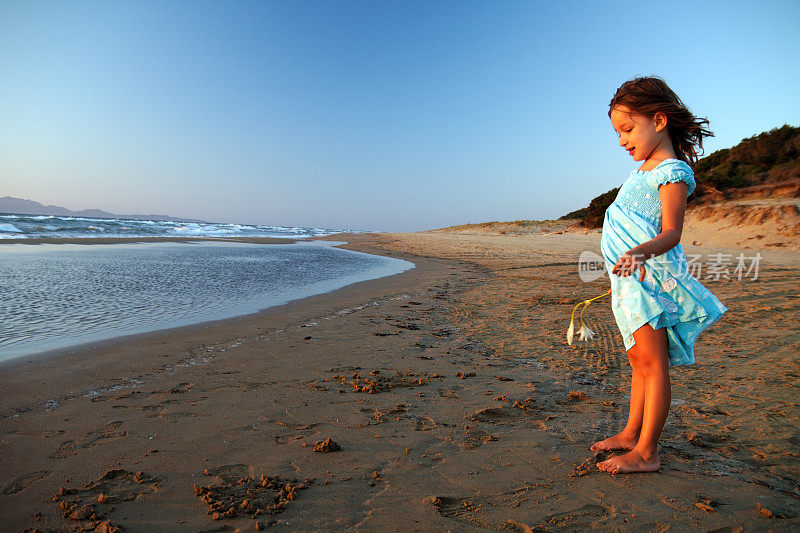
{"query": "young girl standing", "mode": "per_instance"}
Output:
(661, 309)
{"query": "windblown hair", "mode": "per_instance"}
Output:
(650, 95)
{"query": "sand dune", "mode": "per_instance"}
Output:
(750, 224)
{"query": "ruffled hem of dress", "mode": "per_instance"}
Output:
(678, 354)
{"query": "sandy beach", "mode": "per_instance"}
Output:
(444, 398)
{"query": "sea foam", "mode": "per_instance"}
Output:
(30, 226)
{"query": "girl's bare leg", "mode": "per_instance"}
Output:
(629, 436)
(653, 361)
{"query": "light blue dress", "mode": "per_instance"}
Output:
(670, 297)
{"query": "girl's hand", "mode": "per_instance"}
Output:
(628, 263)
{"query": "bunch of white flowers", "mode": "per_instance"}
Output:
(585, 333)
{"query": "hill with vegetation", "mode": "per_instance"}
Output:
(763, 166)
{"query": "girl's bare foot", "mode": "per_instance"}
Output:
(619, 441)
(630, 462)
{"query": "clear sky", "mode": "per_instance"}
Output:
(369, 115)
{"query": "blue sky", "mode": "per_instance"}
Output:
(384, 116)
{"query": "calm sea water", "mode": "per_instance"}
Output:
(55, 296)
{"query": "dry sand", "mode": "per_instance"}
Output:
(450, 397)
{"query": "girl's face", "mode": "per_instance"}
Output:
(642, 137)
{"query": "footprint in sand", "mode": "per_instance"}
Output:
(586, 516)
(301, 431)
(91, 439)
(157, 410)
(492, 512)
(493, 415)
(229, 473)
(22, 482)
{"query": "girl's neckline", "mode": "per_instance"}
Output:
(658, 165)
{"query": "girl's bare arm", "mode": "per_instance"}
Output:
(673, 209)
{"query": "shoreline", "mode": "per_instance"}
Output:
(49, 353)
(110, 344)
(450, 389)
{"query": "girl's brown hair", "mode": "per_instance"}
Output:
(650, 95)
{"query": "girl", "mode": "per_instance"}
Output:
(661, 310)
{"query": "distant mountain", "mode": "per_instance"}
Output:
(19, 206)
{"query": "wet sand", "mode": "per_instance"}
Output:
(443, 398)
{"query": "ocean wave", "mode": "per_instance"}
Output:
(197, 229)
(31, 226)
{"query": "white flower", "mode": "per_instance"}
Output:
(571, 331)
(585, 332)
